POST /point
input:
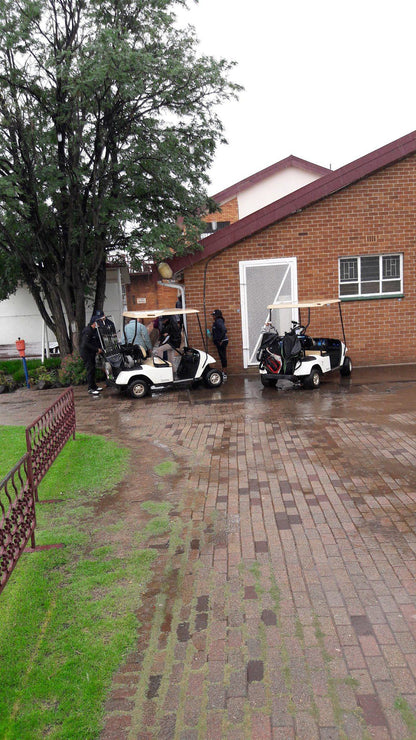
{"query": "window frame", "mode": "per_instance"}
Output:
(381, 280)
(218, 226)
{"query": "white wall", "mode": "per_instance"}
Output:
(272, 188)
(19, 315)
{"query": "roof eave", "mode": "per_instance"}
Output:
(302, 198)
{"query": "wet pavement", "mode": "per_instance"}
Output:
(285, 604)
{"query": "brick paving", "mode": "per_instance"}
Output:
(285, 605)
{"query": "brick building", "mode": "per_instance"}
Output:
(350, 233)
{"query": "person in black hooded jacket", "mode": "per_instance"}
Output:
(89, 346)
(219, 335)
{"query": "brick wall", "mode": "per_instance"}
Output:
(157, 296)
(376, 215)
(229, 212)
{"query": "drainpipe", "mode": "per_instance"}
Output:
(181, 289)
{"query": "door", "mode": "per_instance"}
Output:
(263, 282)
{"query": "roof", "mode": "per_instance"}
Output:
(284, 164)
(321, 188)
(157, 312)
(303, 304)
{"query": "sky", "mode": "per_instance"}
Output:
(325, 80)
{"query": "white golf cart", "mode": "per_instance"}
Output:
(295, 356)
(130, 368)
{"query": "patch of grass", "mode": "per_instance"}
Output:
(12, 448)
(352, 682)
(157, 526)
(157, 508)
(166, 467)
(67, 615)
(407, 715)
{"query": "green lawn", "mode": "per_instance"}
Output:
(67, 616)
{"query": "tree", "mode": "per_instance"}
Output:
(108, 125)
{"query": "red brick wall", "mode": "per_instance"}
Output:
(374, 216)
(157, 296)
(229, 212)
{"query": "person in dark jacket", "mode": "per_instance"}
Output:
(104, 321)
(219, 335)
(169, 340)
(89, 346)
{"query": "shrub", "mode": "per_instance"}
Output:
(7, 382)
(72, 371)
(44, 377)
(15, 369)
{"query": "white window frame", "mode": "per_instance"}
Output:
(358, 281)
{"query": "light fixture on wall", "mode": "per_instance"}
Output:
(164, 270)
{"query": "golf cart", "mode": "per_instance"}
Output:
(130, 368)
(296, 356)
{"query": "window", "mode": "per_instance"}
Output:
(213, 226)
(371, 276)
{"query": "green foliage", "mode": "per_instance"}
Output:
(7, 382)
(9, 274)
(44, 377)
(108, 125)
(14, 369)
(72, 371)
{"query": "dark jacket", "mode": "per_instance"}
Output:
(171, 331)
(89, 342)
(219, 330)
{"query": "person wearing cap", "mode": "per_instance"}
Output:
(104, 321)
(219, 335)
(89, 346)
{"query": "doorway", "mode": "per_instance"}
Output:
(263, 282)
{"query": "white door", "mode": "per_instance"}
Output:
(263, 282)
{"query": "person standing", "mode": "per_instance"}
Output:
(219, 335)
(89, 346)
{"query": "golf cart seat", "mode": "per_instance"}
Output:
(156, 361)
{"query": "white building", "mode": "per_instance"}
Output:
(20, 318)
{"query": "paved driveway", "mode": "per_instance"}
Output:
(286, 608)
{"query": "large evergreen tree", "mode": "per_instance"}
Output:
(108, 124)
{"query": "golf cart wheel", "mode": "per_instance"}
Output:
(213, 378)
(313, 380)
(346, 367)
(268, 382)
(138, 388)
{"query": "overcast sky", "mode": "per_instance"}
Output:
(325, 80)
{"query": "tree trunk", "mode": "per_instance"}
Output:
(61, 329)
(100, 286)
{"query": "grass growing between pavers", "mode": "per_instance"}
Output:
(67, 616)
(407, 715)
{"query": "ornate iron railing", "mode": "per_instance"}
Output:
(18, 517)
(49, 433)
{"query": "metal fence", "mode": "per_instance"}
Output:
(45, 438)
(18, 516)
(49, 433)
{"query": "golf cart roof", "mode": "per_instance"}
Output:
(157, 312)
(305, 304)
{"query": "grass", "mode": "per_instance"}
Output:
(67, 615)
